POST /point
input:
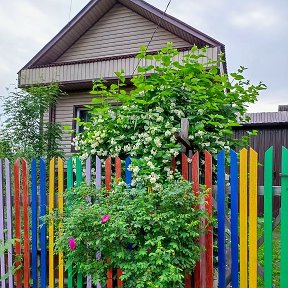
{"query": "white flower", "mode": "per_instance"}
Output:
(93, 151)
(168, 133)
(159, 109)
(200, 133)
(150, 165)
(191, 137)
(159, 119)
(157, 142)
(135, 169)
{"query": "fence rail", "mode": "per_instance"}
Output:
(29, 191)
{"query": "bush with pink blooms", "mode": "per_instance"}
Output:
(152, 236)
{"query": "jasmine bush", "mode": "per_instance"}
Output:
(164, 91)
(152, 236)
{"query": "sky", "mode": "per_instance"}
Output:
(254, 33)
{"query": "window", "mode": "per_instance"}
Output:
(84, 116)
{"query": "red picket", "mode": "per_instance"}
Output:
(26, 224)
(209, 209)
(195, 187)
(118, 176)
(184, 166)
(17, 201)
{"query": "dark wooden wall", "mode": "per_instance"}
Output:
(268, 135)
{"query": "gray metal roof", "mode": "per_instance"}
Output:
(272, 118)
(95, 9)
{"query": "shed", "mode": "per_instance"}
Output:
(272, 130)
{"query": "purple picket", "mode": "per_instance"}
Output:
(9, 219)
(88, 177)
(98, 172)
(2, 224)
(88, 171)
(88, 181)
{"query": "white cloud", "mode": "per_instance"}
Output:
(269, 100)
(256, 17)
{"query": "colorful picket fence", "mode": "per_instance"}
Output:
(35, 190)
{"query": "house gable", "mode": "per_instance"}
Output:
(104, 37)
(119, 32)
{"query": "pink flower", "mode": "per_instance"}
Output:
(105, 218)
(72, 243)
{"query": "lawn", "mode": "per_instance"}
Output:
(276, 255)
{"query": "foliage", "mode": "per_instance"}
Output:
(24, 131)
(150, 114)
(152, 236)
(4, 249)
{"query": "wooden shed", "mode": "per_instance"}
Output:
(272, 130)
(103, 38)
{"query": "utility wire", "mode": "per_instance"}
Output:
(158, 24)
(70, 10)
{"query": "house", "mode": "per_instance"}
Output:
(103, 38)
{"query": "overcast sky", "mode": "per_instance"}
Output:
(254, 33)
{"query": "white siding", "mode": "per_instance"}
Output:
(120, 32)
(90, 71)
(64, 115)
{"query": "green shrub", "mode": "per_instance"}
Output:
(152, 236)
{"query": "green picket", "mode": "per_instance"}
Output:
(69, 186)
(284, 221)
(78, 183)
(268, 220)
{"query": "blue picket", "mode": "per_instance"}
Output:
(34, 223)
(43, 231)
(221, 219)
(128, 173)
(234, 217)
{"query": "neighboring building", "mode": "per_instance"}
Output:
(103, 38)
(272, 130)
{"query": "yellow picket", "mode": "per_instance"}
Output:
(51, 223)
(253, 162)
(60, 206)
(243, 218)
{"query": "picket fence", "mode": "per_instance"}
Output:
(24, 199)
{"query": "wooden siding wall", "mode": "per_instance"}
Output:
(64, 115)
(120, 32)
(89, 71)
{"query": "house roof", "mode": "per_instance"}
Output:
(267, 118)
(96, 9)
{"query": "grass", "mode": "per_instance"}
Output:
(276, 255)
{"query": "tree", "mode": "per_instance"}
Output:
(25, 130)
(144, 125)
